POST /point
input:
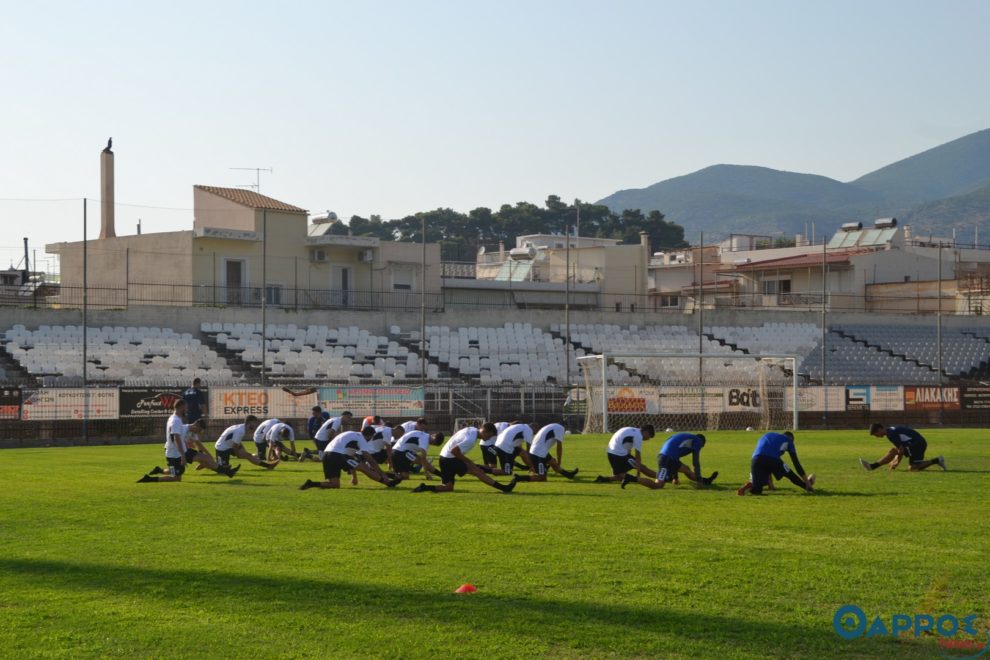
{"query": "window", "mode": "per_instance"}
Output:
(403, 278)
(670, 301)
(773, 287)
(273, 294)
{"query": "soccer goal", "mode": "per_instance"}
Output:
(689, 391)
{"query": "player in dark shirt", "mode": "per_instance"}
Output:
(196, 402)
(907, 442)
(669, 463)
(767, 462)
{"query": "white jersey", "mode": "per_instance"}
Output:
(413, 441)
(275, 433)
(545, 439)
(408, 426)
(231, 437)
(330, 427)
(349, 443)
(499, 427)
(382, 437)
(261, 433)
(625, 440)
(513, 437)
(463, 440)
(175, 426)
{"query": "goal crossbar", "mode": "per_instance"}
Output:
(752, 357)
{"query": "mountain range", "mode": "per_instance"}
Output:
(937, 191)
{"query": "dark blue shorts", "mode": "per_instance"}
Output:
(175, 466)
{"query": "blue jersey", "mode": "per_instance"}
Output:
(680, 445)
(774, 445)
(314, 423)
(194, 399)
(904, 436)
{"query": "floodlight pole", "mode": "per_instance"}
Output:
(264, 295)
(85, 331)
(938, 338)
(824, 326)
(701, 320)
(422, 317)
(567, 308)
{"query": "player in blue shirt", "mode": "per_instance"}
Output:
(907, 442)
(767, 461)
(674, 449)
(316, 419)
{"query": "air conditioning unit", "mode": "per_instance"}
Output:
(319, 255)
(366, 256)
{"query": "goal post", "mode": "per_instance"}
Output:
(690, 391)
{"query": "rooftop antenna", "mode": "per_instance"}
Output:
(257, 176)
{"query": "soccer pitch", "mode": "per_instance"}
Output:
(95, 564)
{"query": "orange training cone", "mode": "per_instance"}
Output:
(466, 588)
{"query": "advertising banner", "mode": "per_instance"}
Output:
(70, 403)
(742, 399)
(858, 397)
(10, 403)
(886, 397)
(148, 401)
(931, 398)
(976, 398)
(385, 401)
(680, 400)
(238, 402)
(814, 399)
(633, 400)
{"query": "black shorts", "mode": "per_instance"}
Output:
(262, 449)
(915, 451)
(488, 455)
(450, 468)
(621, 464)
(175, 466)
(334, 464)
(191, 454)
(667, 468)
(381, 457)
(223, 457)
(404, 461)
(506, 460)
(762, 467)
(321, 445)
(540, 464)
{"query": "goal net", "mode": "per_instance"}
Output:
(689, 392)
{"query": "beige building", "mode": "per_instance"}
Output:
(243, 246)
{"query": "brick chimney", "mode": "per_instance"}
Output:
(106, 192)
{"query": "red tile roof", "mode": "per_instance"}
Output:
(251, 199)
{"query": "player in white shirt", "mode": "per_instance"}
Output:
(195, 452)
(326, 433)
(455, 463)
(548, 437)
(625, 453)
(509, 445)
(231, 443)
(379, 447)
(277, 436)
(488, 455)
(261, 436)
(410, 450)
(349, 452)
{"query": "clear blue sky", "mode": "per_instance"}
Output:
(397, 107)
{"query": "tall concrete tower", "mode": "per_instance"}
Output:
(106, 192)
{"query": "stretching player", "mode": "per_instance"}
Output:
(455, 463)
(907, 442)
(349, 452)
(414, 425)
(509, 445)
(551, 435)
(196, 452)
(767, 461)
(371, 420)
(261, 436)
(277, 436)
(327, 431)
(379, 447)
(177, 453)
(489, 457)
(316, 419)
(231, 443)
(669, 463)
(625, 453)
(410, 450)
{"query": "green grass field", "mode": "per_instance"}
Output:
(93, 564)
